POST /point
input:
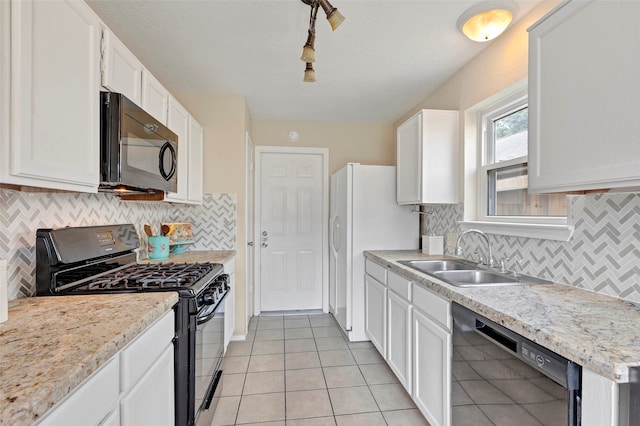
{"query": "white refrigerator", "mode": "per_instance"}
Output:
(364, 216)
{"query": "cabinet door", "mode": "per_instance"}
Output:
(196, 154)
(121, 70)
(151, 401)
(427, 158)
(584, 98)
(91, 403)
(399, 338)
(409, 161)
(375, 295)
(229, 312)
(54, 135)
(155, 98)
(178, 122)
(432, 370)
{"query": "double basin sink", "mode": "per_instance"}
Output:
(462, 273)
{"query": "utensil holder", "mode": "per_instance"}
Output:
(158, 248)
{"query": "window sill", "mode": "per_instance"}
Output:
(539, 231)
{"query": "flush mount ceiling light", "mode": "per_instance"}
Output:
(334, 17)
(487, 20)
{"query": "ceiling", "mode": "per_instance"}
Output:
(384, 59)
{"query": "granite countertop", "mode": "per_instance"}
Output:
(215, 256)
(49, 345)
(599, 332)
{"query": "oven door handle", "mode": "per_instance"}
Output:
(205, 315)
(206, 403)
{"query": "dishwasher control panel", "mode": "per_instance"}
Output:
(553, 365)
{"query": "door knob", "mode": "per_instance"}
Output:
(265, 244)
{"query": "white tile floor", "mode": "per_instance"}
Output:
(300, 370)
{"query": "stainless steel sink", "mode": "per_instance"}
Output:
(462, 273)
(438, 265)
(475, 277)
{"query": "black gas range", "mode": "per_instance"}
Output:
(102, 259)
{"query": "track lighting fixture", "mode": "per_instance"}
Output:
(334, 17)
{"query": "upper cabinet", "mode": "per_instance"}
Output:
(44, 143)
(121, 70)
(123, 73)
(584, 97)
(190, 147)
(155, 98)
(178, 123)
(196, 161)
(427, 158)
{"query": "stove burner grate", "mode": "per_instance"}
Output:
(153, 276)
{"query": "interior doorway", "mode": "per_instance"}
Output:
(291, 229)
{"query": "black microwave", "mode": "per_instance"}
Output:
(137, 152)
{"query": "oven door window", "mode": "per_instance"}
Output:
(209, 352)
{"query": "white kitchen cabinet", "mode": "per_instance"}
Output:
(94, 401)
(427, 158)
(399, 348)
(155, 98)
(178, 123)
(229, 304)
(584, 97)
(123, 73)
(121, 70)
(432, 369)
(151, 400)
(375, 313)
(190, 155)
(42, 144)
(196, 162)
(136, 387)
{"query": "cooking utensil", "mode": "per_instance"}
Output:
(165, 229)
(147, 230)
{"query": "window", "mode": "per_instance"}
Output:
(503, 173)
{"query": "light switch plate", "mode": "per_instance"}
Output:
(451, 239)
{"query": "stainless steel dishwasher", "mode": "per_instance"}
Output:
(501, 378)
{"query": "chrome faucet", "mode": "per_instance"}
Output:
(458, 249)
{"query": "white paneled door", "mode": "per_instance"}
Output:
(291, 238)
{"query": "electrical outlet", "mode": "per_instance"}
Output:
(451, 239)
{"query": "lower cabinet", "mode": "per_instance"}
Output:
(140, 406)
(432, 369)
(375, 316)
(399, 337)
(135, 387)
(410, 326)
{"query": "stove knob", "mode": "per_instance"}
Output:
(209, 298)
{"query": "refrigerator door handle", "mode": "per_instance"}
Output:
(335, 234)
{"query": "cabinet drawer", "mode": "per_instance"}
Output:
(400, 285)
(434, 306)
(91, 402)
(140, 354)
(376, 271)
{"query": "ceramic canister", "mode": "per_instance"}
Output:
(158, 247)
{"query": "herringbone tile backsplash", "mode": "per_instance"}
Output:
(21, 213)
(603, 254)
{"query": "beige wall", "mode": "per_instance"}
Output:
(500, 65)
(225, 119)
(365, 143)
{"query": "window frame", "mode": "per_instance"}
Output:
(557, 228)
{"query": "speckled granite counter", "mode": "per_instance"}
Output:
(215, 256)
(50, 345)
(599, 332)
